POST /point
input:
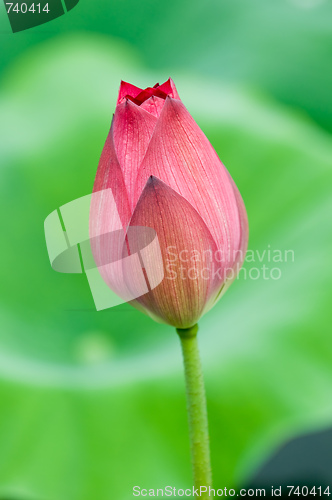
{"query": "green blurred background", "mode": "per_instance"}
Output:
(92, 403)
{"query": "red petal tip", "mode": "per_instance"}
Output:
(127, 89)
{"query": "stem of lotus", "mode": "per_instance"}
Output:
(196, 407)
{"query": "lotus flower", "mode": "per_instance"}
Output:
(162, 172)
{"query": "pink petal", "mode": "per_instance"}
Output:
(109, 214)
(110, 176)
(127, 89)
(239, 253)
(153, 105)
(180, 155)
(179, 301)
(132, 129)
(244, 228)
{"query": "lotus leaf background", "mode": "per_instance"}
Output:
(93, 403)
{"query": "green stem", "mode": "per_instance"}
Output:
(196, 407)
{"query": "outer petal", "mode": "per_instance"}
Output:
(244, 230)
(189, 278)
(110, 176)
(239, 253)
(181, 156)
(132, 129)
(109, 214)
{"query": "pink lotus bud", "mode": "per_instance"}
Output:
(164, 174)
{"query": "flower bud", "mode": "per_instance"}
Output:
(164, 175)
